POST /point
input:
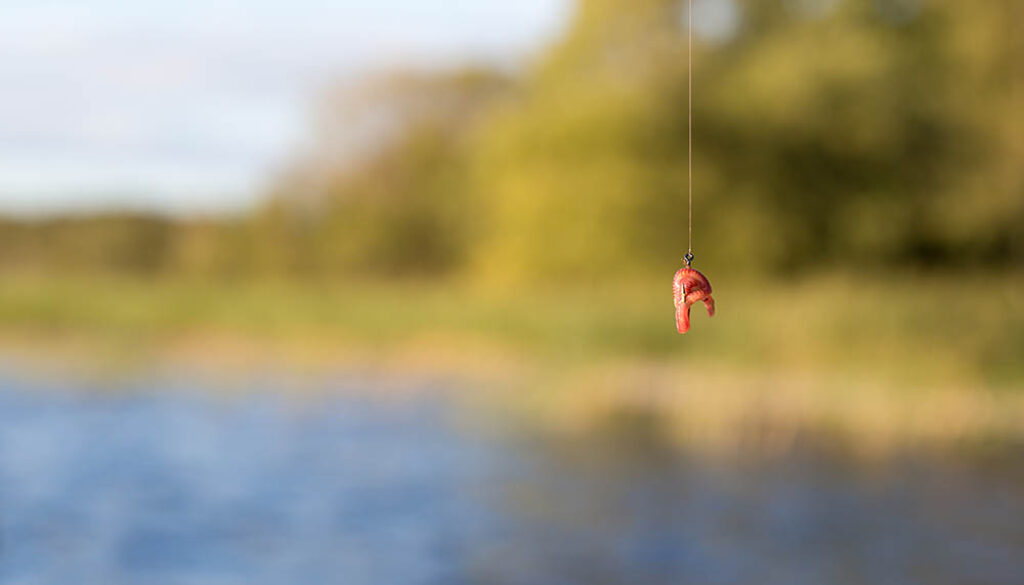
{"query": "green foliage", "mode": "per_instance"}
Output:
(866, 133)
(860, 133)
(402, 205)
(110, 243)
(585, 172)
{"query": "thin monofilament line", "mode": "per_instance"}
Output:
(689, 124)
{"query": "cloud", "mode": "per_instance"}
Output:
(156, 99)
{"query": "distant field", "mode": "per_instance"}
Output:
(827, 343)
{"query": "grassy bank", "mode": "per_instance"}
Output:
(911, 359)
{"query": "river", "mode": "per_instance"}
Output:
(174, 482)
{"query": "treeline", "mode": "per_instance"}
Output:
(867, 133)
(114, 243)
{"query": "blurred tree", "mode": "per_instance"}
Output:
(211, 248)
(857, 131)
(115, 243)
(384, 191)
(870, 130)
(586, 171)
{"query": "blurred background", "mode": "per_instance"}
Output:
(378, 292)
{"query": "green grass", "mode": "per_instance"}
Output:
(915, 331)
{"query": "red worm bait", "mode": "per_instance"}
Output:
(688, 287)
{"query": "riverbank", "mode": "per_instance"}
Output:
(890, 365)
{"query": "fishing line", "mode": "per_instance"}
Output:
(689, 129)
(689, 286)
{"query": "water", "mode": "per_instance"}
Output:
(172, 484)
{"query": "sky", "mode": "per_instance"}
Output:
(187, 106)
(193, 105)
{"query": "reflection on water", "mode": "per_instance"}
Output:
(170, 485)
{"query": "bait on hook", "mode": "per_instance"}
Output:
(690, 286)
